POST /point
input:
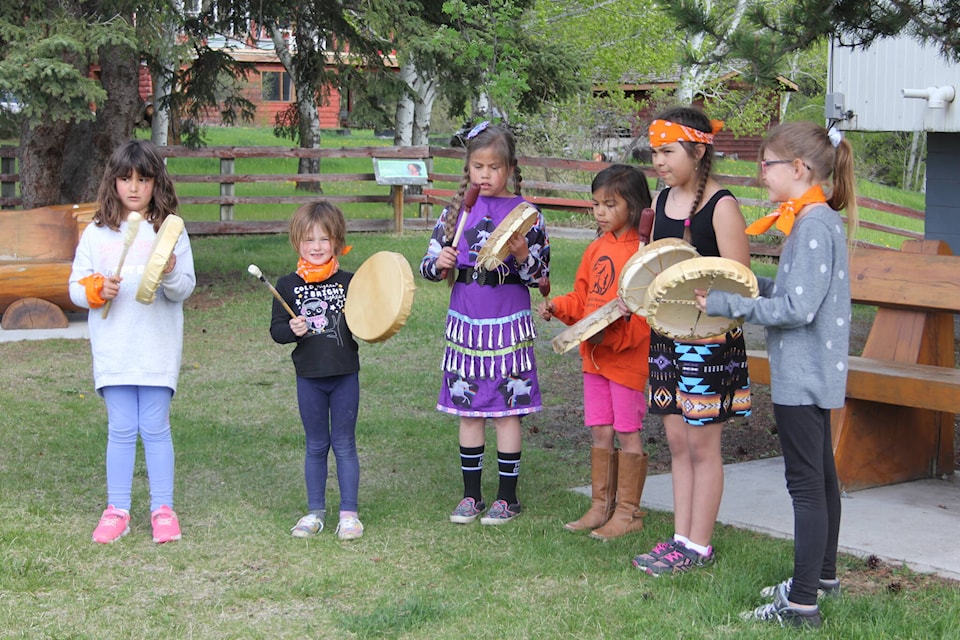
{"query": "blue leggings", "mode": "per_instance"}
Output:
(328, 409)
(143, 411)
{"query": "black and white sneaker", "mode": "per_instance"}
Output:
(780, 611)
(826, 589)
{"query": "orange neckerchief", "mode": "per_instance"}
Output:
(786, 214)
(319, 273)
(663, 132)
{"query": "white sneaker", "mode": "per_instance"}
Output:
(307, 526)
(350, 528)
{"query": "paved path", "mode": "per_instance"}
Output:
(912, 523)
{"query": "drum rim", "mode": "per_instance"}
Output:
(147, 293)
(651, 251)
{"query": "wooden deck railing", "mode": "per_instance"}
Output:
(554, 184)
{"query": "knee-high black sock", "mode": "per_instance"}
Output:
(509, 466)
(471, 464)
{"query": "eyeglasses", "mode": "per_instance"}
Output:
(766, 164)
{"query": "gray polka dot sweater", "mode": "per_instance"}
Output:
(806, 313)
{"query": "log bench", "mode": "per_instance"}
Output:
(37, 247)
(903, 392)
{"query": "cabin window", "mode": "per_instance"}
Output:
(275, 86)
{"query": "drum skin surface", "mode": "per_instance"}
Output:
(494, 251)
(380, 297)
(163, 246)
(645, 265)
(670, 298)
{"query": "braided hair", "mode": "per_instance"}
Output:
(696, 119)
(483, 136)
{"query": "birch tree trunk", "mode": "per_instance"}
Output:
(403, 134)
(695, 77)
(423, 109)
(163, 81)
(306, 101)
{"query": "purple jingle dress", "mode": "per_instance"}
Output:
(489, 369)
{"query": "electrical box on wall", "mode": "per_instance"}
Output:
(834, 109)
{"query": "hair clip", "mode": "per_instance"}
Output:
(477, 129)
(835, 136)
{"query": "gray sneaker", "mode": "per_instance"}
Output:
(780, 611)
(467, 511)
(825, 589)
(500, 513)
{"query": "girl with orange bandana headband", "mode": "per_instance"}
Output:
(806, 312)
(326, 362)
(696, 386)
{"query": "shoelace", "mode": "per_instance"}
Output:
(112, 520)
(767, 612)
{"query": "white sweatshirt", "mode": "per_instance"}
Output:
(137, 344)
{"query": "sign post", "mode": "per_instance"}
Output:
(398, 173)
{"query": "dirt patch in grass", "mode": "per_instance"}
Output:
(874, 576)
(743, 439)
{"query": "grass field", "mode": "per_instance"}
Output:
(237, 573)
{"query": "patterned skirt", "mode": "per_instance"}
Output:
(705, 381)
(489, 368)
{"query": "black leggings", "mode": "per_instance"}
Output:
(812, 482)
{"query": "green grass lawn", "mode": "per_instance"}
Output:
(238, 573)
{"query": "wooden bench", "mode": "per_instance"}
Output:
(36, 255)
(902, 393)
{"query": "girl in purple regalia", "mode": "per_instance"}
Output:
(489, 369)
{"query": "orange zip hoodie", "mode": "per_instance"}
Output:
(622, 354)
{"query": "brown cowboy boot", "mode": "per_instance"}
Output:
(627, 516)
(603, 471)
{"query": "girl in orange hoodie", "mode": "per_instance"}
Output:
(614, 360)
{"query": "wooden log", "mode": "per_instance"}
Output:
(36, 279)
(34, 313)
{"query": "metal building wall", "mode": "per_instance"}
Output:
(943, 189)
(872, 81)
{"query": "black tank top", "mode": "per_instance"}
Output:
(702, 236)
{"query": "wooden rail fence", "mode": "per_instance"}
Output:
(546, 183)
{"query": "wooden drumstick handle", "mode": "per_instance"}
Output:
(133, 225)
(254, 270)
(645, 227)
(469, 199)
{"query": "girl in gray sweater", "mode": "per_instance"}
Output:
(806, 312)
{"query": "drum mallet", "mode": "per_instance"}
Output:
(133, 225)
(469, 199)
(255, 272)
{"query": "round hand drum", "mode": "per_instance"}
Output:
(494, 251)
(380, 297)
(163, 246)
(635, 276)
(670, 298)
(645, 265)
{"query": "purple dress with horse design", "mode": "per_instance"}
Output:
(489, 368)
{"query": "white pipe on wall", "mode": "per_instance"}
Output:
(936, 97)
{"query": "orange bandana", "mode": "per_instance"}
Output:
(786, 214)
(320, 272)
(93, 284)
(663, 132)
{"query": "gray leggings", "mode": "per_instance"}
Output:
(812, 482)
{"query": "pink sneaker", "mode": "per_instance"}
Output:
(166, 527)
(113, 525)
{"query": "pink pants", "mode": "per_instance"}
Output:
(607, 403)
